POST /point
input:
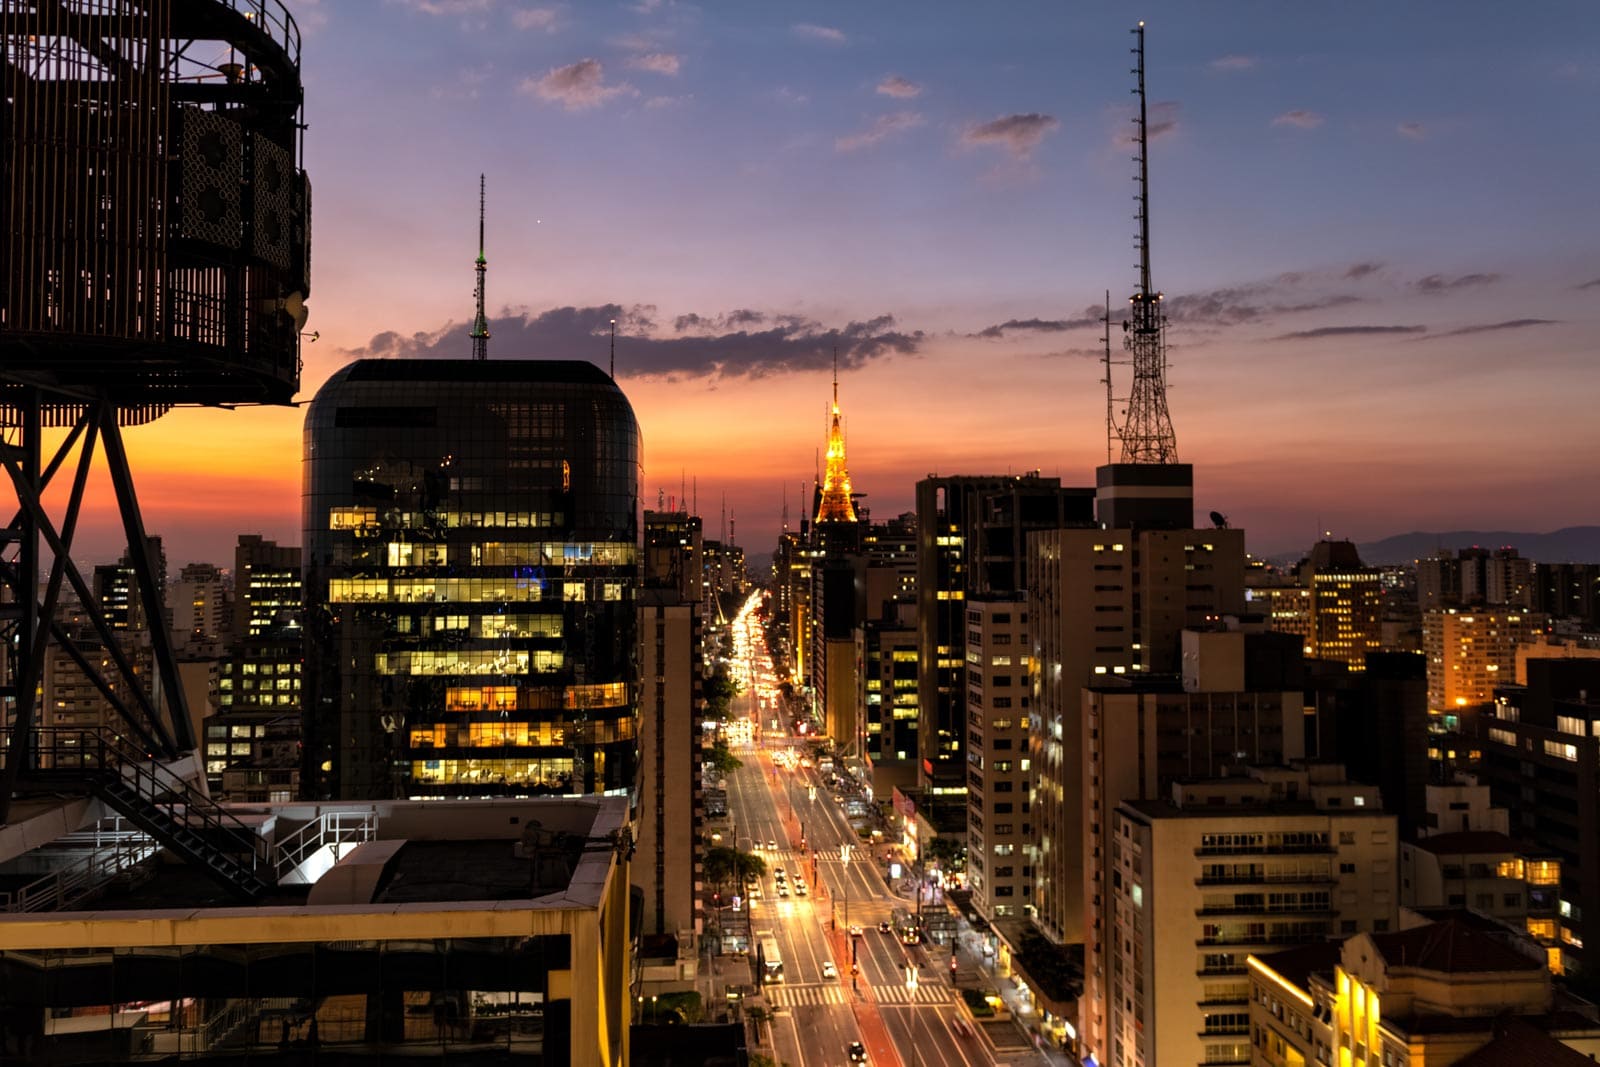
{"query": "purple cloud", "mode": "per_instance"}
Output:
(825, 34)
(1347, 331)
(899, 88)
(1299, 119)
(577, 86)
(882, 127)
(1017, 134)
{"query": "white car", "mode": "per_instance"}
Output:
(829, 970)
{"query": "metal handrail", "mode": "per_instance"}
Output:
(113, 755)
(339, 826)
(272, 16)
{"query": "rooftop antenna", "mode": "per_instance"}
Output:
(613, 349)
(1147, 435)
(480, 325)
(785, 507)
(722, 535)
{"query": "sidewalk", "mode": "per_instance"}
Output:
(978, 970)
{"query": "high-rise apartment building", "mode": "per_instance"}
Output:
(1471, 651)
(1539, 748)
(674, 550)
(971, 540)
(267, 588)
(1223, 870)
(472, 557)
(671, 665)
(888, 700)
(999, 828)
(1141, 735)
(1474, 576)
(1568, 591)
(198, 601)
(1105, 604)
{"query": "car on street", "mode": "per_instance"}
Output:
(829, 970)
(855, 931)
(885, 928)
(799, 889)
(783, 890)
(772, 846)
(857, 1052)
(779, 873)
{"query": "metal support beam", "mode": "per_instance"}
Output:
(150, 591)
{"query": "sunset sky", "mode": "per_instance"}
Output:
(1375, 224)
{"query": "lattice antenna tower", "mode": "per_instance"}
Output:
(480, 324)
(1107, 381)
(1147, 435)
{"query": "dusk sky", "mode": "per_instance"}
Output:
(1375, 224)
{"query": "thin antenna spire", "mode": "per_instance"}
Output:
(613, 349)
(1111, 418)
(480, 324)
(836, 377)
(1147, 435)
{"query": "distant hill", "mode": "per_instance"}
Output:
(1575, 544)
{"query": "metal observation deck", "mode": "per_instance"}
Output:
(155, 250)
(154, 242)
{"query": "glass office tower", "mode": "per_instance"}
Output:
(471, 563)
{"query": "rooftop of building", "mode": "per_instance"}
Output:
(1471, 843)
(1451, 946)
(339, 857)
(1297, 965)
(1518, 1043)
(561, 371)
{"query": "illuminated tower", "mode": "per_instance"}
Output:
(835, 504)
(1147, 435)
(480, 325)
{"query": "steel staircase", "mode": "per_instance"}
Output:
(161, 802)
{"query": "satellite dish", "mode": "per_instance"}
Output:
(1219, 520)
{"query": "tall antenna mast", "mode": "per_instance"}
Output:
(1147, 435)
(480, 325)
(613, 349)
(1111, 418)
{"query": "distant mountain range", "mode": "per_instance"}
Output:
(1574, 544)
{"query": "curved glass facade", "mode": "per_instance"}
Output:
(471, 565)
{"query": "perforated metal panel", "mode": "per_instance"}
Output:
(273, 182)
(211, 168)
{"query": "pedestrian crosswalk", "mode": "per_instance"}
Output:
(794, 996)
(899, 994)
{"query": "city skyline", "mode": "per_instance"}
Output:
(1381, 298)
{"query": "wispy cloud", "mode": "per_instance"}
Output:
(447, 7)
(1347, 331)
(882, 127)
(826, 34)
(1299, 119)
(1089, 317)
(577, 86)
(898, 87)
(1438, 284)
(667, 63)
(1161, 119)
(1017, 134)
(1357, 271)
(1414, 130)
(722, 345)
(1595, 284)
(467, 84)
(546, 19)
(1233, 63)
(1510, 324)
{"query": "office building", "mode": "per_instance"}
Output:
(999, 828)
(472, 551)
(1475, 576)
(674, 552)
(1568, 591)
(1223, 870)
(267, 590)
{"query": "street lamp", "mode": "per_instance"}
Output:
(653, 1015)
(844, 881)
